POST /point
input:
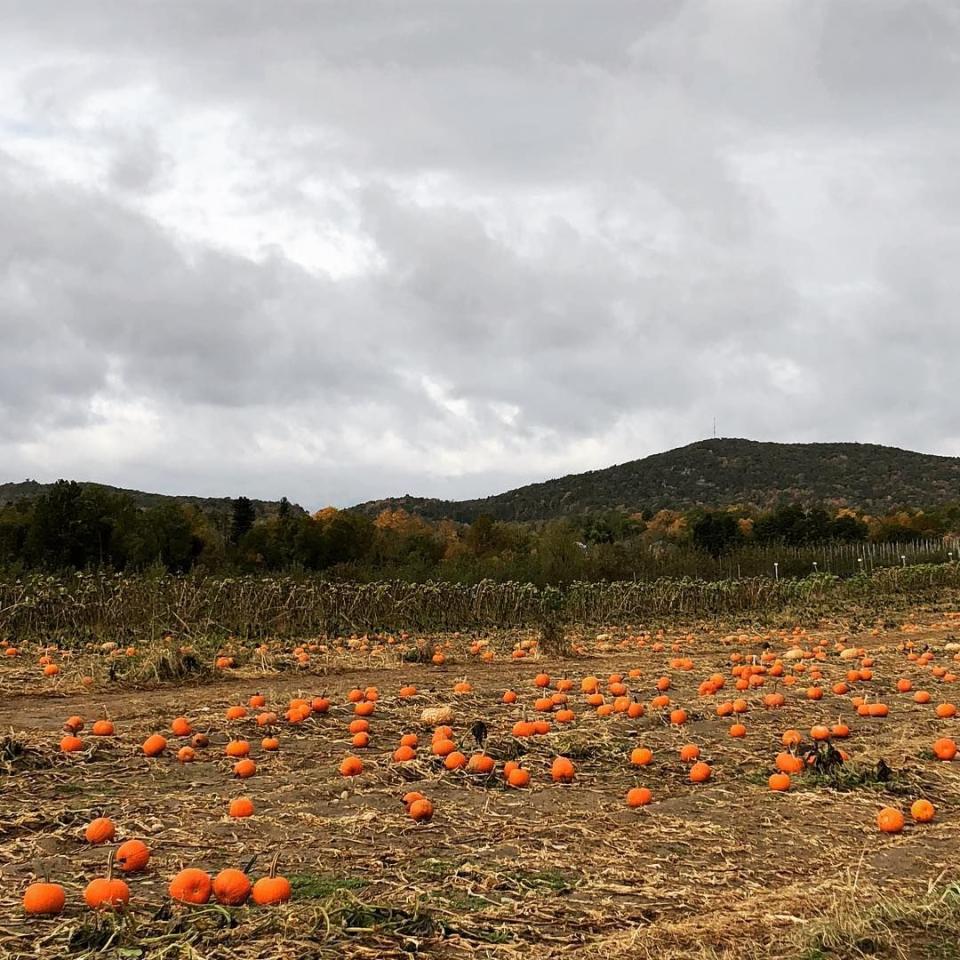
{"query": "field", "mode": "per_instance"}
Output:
(722, 868)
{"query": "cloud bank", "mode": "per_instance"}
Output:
(340, 251)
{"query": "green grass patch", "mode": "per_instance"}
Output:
(317, 886)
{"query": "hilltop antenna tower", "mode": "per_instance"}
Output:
(714, 428)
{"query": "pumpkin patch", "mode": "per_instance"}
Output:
(362, 780)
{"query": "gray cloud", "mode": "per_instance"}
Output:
(341, 251)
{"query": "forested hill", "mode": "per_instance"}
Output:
(30, 490)
(721, 473)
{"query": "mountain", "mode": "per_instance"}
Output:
(720, 473)
(30, 489)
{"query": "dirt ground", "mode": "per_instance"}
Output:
(725, 868)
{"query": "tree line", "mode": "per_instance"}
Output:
(73, 527)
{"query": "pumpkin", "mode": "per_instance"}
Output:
(404, 753)
(231, 887)
(638, 797)
(922, 811)
(351, 767)
(678, 717)
(454, 760)
(361, 739)
(107, 893)
(73, 724)
(102, 728)
(481, 763)
(641, 756)
(779, 782)
(890, 820)
(359, 725)
(421, 810)
(517, 777)
(200, 740)
(944, 748)
(244, 768)
(132, 856)
(191, 885)
(236, 712)
(100, 830)
(270, 743)
(738, 730)
(272, 889)
(689, 752)
(562, 770)
(44, 899)
(241, 807)
(700, 772)
(442, 748)
(154, 745)
(71, 744)
(181, 727)
(788, 763)
(186, 755)
(237, 748)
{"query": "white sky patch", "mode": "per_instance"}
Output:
(441, 395)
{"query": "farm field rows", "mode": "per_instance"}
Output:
(726, 867)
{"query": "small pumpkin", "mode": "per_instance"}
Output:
(351, 767)
(241, 807)
(421, 810)
(132, 856)
(191, 885)
(101, 830)
(154, 745)
(700, 772)
(944, 748)
(231, 887)
(272, 889)
(779, 782)
(181, 727)
(562, 770)
(244, 768)
(44, 899)
(108, 892)
(890, 820)
(639, 797)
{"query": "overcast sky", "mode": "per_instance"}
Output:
(343, 250)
